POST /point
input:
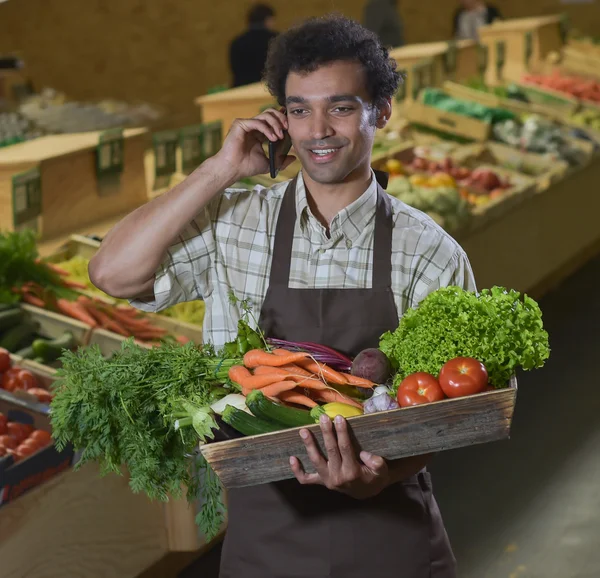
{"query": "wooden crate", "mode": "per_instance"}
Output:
(242, 102)
(66, 194)
(515, 45)
(400, 433)
(46, 376)
(463, 126)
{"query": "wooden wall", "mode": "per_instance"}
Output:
(168, 52)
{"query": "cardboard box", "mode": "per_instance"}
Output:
(400, 433)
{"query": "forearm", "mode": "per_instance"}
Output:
(130, 254)
(403, 469)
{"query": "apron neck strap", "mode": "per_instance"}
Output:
(284, 239)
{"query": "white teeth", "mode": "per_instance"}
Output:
(323, 152)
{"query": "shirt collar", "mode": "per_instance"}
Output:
(349, 223)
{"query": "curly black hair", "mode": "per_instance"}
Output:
(319, 41)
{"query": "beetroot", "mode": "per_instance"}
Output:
(372, 364)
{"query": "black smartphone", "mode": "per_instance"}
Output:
(278, 150)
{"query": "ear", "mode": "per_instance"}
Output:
(384, 113)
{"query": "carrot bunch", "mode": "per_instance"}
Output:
(294, 377)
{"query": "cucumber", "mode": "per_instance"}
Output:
(26, 353)
(19, 336)
(10, 318)
(8, 306)
(264, 408)
(51, 350)
(247, 424)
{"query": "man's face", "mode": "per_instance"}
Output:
(331, 120)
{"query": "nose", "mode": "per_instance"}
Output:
(320, 127)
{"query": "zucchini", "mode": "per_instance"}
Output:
(10, 318)
(266, 409)
(247, 424)
(51, 350)
(19, 336)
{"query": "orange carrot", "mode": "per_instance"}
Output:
(266, 370)
(306, 382)
(238, 374)
(105, 321)
(293, 396)
(324, 371)
(256, 381)
(276, 388)
(332, 395)
(359, 381)
(74, 284)
(297, 370)
(56, 269)
(33, 300)
(76, 311)
(256, 357)
(182, 339)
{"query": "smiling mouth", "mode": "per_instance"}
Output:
(323, 155)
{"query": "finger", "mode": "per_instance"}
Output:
(346, 448)
(279, 115)
(314, 455)
(248, 125)
(376, 464)
(331, 444)
(289, 159)
(274, 122)
(301, 475)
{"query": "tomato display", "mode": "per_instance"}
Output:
(5, 362)
(463, 376)
(26, 379)
(3, 422)
(8, 442)
(419, 388)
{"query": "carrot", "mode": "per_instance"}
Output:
(297, 370)
(293, 396)
(308, 381)
(256, 381)
(276, 388)
(238, 374)
(33, 300)
(105, 321)
(266, 370)
(332, 395)
(76, 311)
(129, 311)
(359, 381)
(256, 357)
(56, 269)
(324, 371)
(182, 339)
(74, 284)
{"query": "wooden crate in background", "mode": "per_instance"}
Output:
(62, 191)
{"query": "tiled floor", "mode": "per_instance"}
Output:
(530, 507)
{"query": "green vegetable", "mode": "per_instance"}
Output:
(10, 318)
(51, 350)
(146, 409)
(19, 336)
(247, 424)
(498, 327)
(26, 353)
(264, 408)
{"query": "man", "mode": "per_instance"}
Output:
(328, 257)
(472, 15)
(248, 52)
(382, 17)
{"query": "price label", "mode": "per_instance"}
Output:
(528, 47)
(109, 160)
(500, 58)
(191, 147)
(26, 197)
(450, 58)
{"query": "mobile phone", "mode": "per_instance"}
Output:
(278, 150)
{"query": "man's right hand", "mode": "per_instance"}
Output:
(242, 152)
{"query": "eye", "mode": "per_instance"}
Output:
(343, 109)
(297, 111)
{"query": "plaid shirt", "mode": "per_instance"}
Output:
(228, 248)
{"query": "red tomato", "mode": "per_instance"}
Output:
(43, 438)
(19, 431)
(3, 422)
(463, 376)
(26, 379)
(29, 445)
(419, 388)
(43, 396)
(8, 442)
(5, 363)
(3, 451)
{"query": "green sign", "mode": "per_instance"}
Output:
(109, 160)
(450, 58)
(482, 58)
(528, 47)
(26, 197)
(500, 58)
(212, 139)
(190, 139)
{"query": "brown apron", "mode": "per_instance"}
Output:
(286, 530)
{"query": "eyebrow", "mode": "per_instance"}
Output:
(332, 99)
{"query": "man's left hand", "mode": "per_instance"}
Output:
(360, 477)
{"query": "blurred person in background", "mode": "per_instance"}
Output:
(471, 16)
(383, 18)
(248, 52)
